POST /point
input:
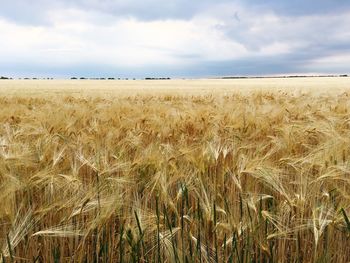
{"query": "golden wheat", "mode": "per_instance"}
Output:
(214, 176)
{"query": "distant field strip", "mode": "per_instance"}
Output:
(108, 88)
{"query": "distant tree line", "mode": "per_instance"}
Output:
(287, 76)
(83, 78)
(157, 78)
(109, 78)
(167, 78)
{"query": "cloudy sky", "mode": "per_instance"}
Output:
(177, 38)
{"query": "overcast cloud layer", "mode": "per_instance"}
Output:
(198, 38)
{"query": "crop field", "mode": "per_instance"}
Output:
(251, 170)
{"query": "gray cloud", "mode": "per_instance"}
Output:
(271, 37)
(38, 11)
(301, 7)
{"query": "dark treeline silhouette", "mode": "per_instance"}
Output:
(167, 78)
(157, 78)
(287, 76)
(95, 78)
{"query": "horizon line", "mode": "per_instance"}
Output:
(312, 75)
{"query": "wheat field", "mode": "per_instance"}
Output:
(251, 170)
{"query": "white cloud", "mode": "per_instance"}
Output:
(220, 33)
(75, 36)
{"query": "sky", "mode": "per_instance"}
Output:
(174, 38)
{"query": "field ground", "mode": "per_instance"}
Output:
(251, 170)
(122, 88)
